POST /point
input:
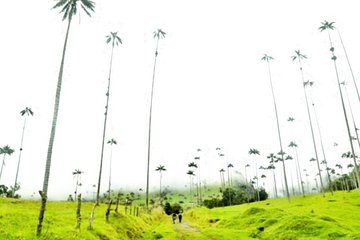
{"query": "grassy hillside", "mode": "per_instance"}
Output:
(312, 217)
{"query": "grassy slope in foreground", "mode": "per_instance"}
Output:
(312, 217)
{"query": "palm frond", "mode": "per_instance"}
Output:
(60, 3)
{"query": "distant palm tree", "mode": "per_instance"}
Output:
(222, 179)
(77, 173)
(344, 186)
(298, 169)
(26, 112)
(272, 158)
(158, 34)
(349, 155)
(114, 39)
(191, 175)
(330, 26)
(69, 9)
(320, 135)
(111, 142)
(6, 150)
(160, 169)
(268, 58)
(246, 166)
(254, 151)
(195, 166)
(229, 174)
(300, 57)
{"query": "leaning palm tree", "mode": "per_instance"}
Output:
(114, 39)
(351, 112)
(330, 26)
(158, 34)
(26, 112)
(69, 9)
(160, 169)
(6, 150)
(300, 57)
(348, 61)
(268, 58)
(111, 142)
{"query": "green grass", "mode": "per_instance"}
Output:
(312, 217)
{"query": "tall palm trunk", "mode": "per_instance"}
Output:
(345, 114)
(279, 133)
(110, 170)
(312, 130)
(43, 193)
(348, 61)
(104, 129)
(323, 150)
(150, 121)
(275, 188)
(20, 151)
(2, 165)
(299, 172)
(160, 184)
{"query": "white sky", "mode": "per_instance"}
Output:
(211, 88)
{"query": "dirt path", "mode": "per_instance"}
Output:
(186, 231)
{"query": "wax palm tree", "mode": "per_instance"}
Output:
(195, 167)
(254, 151)
(310, 84)
(340, 167)
(158, 34)
(229, 174)
(77, 173)
(272, 158)
(300, 57)
(246, 166)
(191, 176)
(6, 150)
(268, 58)
(292, 144)
(111, 142)
(330, 26)
(25, 113)
(199, 175)
(349, 155)
(160, 169)
(69, 9)
(222, 179)
(115, 40)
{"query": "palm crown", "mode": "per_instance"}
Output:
(298, 55)
(27, 111)
(159, 33)
(326, 25)
(114, 38)
(69, 7)
(267, 58)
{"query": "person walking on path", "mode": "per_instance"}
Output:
(180, 217)
(174, 217)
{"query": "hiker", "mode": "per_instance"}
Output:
(180, 217)
(174, 218)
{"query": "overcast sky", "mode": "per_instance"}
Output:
(211, 89)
